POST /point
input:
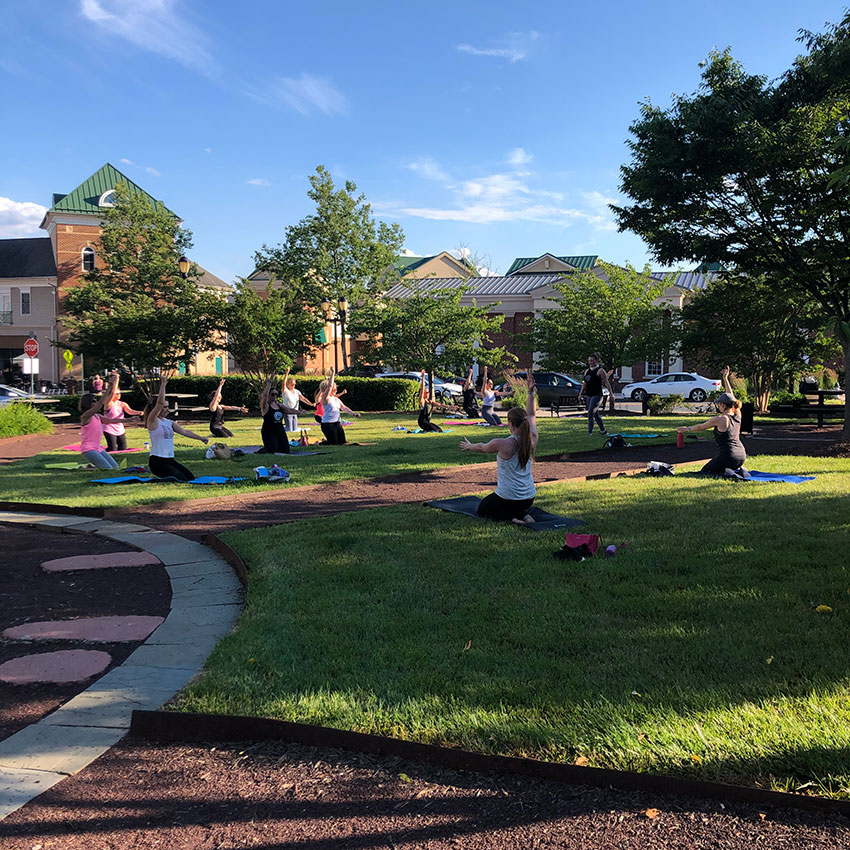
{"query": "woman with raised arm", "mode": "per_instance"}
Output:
(291, 397)
(470, 408)
(727, 432)
(217, 409)
(331, 407)
(275, 441)
(427, 405)
(114, 408)
(161, 462)
(488, 400)
(92, 422)
(515, 488)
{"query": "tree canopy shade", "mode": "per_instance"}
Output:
(759, 330)
(266, 335)
(339, 251)
(750, 173)
(432, 331)
(136, 311)
(609, 310)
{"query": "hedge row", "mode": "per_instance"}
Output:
(361, 393)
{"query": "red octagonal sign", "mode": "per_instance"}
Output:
(31, 348)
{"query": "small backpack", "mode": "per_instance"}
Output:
(615, 441)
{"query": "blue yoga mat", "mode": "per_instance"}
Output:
(135, 479)
(215, 479)
(776, 476)
(124, 479)
(639, 436)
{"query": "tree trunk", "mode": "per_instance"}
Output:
(845, 347)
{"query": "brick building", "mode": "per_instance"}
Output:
(36, 273)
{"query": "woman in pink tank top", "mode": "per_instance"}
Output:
(91, 428)
(114, 408)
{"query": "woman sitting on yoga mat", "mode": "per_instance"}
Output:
(91, 427)
(217, 409)
(331, 406)
(515, 488)
(290, 397)
(427, 405)
(727, 432)
(275, 441)
(488, 400)
(115, 409)
(470, 408)
(161, 430)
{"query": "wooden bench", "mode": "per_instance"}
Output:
(563, 401)
(57, 414)
(833, 411)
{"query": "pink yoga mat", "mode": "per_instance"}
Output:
(75, 447)
(467, 422)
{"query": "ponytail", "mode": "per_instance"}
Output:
(519, 419)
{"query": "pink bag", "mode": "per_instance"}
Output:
(576, 540)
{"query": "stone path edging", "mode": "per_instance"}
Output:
(206, 600)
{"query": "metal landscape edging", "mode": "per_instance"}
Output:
(188, 727)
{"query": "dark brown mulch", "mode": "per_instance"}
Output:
(274, 795)
(272, 507)
(30, 594)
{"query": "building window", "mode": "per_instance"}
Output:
(107, 199)
(25, 303)
(88, 259)
(653, 367)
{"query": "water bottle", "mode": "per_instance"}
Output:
(147, 446)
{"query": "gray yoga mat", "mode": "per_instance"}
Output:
(469, 505)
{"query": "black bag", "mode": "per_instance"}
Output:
(615, 441)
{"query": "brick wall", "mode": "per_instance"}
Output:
(511, 337)
(70, 241)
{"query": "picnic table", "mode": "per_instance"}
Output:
(175, 410)
(822, 408)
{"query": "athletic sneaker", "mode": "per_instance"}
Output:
(604, 433)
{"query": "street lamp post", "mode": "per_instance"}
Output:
(183, 264)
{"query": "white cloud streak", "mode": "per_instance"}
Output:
(429, 169)
(306, 94)
(518, 156)
(259, 181)
(151, 170)
(20, 218)
(513, 48)
(155, 26)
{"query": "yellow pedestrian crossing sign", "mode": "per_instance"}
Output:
(69, 356)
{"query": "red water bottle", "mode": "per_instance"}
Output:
(680, 440)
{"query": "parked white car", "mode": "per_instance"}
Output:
(688, 384)
(9, 394)
(444, 390)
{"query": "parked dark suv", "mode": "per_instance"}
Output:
(554, 388)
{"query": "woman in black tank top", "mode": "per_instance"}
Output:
(727, 433)
(470, 406)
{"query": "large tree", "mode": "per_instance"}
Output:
(772, 334)
(136, 311)
(429, 329)
(338, 251)
(266, 335)
(750, 172)
(609, 310)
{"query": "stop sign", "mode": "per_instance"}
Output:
(31, 348)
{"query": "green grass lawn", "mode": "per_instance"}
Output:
(395, 452)
(697, 650)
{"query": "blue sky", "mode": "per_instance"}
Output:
(499, 126)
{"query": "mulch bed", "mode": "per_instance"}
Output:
(274, 795)
(30, 594)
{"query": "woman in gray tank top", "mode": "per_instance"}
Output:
(515, 488)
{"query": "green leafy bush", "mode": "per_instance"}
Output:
(658, 404)
(784, 397)
(19, 418)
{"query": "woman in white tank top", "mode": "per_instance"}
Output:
(515, 488)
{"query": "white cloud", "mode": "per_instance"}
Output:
(305, 94)
(18, 219)
(208, 150)
(599, 202)
(259, 181)
(513, 48)
(429, 169)
(153, 25)
(518, 157)
(408, 253)
(126, 161)
(151, 170)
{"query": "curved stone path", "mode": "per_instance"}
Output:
(206, 600)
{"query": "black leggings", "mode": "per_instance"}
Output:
(115, 442)
(503, 510)
(718, 465)
(275, 441)
(471, 411)
(167, 467)
(334, 433)
(220, 431)
(426, 424)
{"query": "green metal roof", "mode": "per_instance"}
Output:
(85, 197)
(582, 263)
(408, 264)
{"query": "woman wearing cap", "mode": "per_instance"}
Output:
(727, 432)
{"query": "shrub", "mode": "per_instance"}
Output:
(784, 397)
(658, 404)
(18, 418)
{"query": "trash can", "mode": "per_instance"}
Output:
(747, 409)
(809, 386)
